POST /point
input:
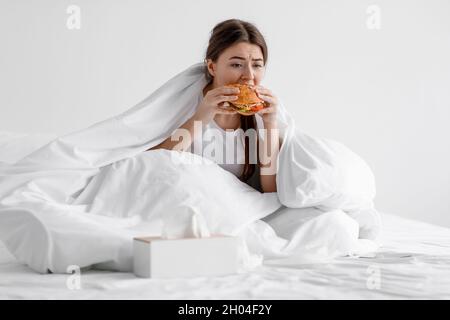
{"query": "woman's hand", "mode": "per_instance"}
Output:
(212, 103)
(269, 113)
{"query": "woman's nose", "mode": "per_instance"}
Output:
(248, 73)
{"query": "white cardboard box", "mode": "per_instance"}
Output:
(155, 257)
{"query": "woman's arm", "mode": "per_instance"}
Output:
(268, 154)
(185, 132)
(205, 112)
(270, 147)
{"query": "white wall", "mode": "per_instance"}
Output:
(384, 93)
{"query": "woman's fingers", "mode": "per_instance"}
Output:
(266, 95)
(270, 100)
(267, 98)
(222, 110)
(220, 99)
(267, 110)
(225, 91)
(264, 91)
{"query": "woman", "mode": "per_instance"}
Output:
(95, 189)
(237, 53)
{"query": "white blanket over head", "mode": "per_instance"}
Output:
(80, 199)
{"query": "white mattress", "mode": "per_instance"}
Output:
(414, 263)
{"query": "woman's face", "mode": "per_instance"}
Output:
(241, 63)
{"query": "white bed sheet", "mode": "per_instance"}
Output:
(16, 145)
(414, 263)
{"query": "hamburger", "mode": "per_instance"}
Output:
(247, 103)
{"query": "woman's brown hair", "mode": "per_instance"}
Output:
(224, 35)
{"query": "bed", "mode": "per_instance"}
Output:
(413, 263)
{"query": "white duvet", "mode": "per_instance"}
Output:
(80, 199)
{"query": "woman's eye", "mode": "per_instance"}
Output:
(240, 65)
